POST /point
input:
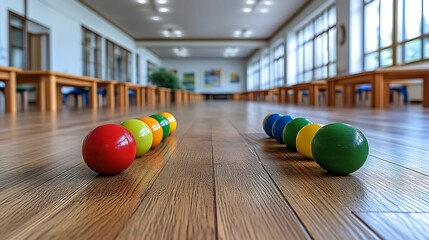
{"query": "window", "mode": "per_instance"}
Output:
(151, 67)
(265, 72)
(118, 63)
(413, 30)
(138, 76)
(253, 76)
(278, 66)
(91, 45)
(378, 34)
(316, 47)
(17, 46)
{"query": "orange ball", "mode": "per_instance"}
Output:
(156, 129)
(172, 120)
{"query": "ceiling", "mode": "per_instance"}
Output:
(204, 20)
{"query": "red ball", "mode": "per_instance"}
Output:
(109, 149)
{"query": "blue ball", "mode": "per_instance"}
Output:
(278, 127)
(268, 124)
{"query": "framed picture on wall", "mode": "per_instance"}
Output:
(188, 82)
(212, 78)
(234, 78)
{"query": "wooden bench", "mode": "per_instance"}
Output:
(109, 86)
(123, 94)
(163, 95)
(178, 96)
(283, 94)
(379, 80)
(151, 95)
(313, 88)
(49, 83)
(8, 76)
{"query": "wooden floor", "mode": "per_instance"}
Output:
(217, 177)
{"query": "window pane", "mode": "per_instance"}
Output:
(386, 57)
(325, 48)
(17, 38)
(426, 16)
(308, 56)
(413, 17)
(426, 42)
(332, 44)
(371, 61)
(371, 26)
(332, 70)
(16, 22)
(332, 17)
(386, 24)
(413, 51)
(17, 58)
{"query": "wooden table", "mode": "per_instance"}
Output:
(163, 95)
(379, 81)
(313, 89)
(178, 96)
(109, 86)
(151, 95)
(123, 93)
(283, 93)
(8, 76)
(49, 83)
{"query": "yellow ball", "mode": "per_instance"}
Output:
(171, 119)
(305, 137)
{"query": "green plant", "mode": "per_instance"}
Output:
(163, 78)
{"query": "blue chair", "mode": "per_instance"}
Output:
(402, 90)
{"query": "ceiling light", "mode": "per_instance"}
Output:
(250, 2)
(156, 18)
(230, 52)
(247, 33)
(268, 3)
(162, 1)
(237, 33)
(166, 33)
(246, 10)
(164, 10)
(142, 1)
(181, 52)
(264, 10)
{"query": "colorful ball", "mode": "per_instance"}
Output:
(340, 148)
(291, 130)
(268, 122)
(278, 127)
(305, 137)
(141, 133)
(156, 129)
(172, 120)
(165, 124)
(109, 149)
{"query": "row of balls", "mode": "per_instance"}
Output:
(338, 148)
(111, 148)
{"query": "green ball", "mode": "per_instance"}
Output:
(165, 124)
(291, 130)
(340, 148)
(141, 133)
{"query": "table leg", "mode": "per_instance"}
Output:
(426, 91)
(59, 98)
(378, 91)
(10, 93)
(51, 92)
(93, 96)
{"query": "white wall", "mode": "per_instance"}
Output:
(65, 18)
(198, 66)
(145, 56)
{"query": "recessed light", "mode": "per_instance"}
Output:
(166, 33)
(178, 33)
(237, 33)
(181, 52)
(264, 10)
(250, 2)
(156, 18)
(162, 1)
(246, 10)
(164, 10)
(247, 33)
(268, 3)
(142, 1)
(230, 52)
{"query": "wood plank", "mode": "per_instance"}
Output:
(179, 205)
(397, 225)
(249, 205)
